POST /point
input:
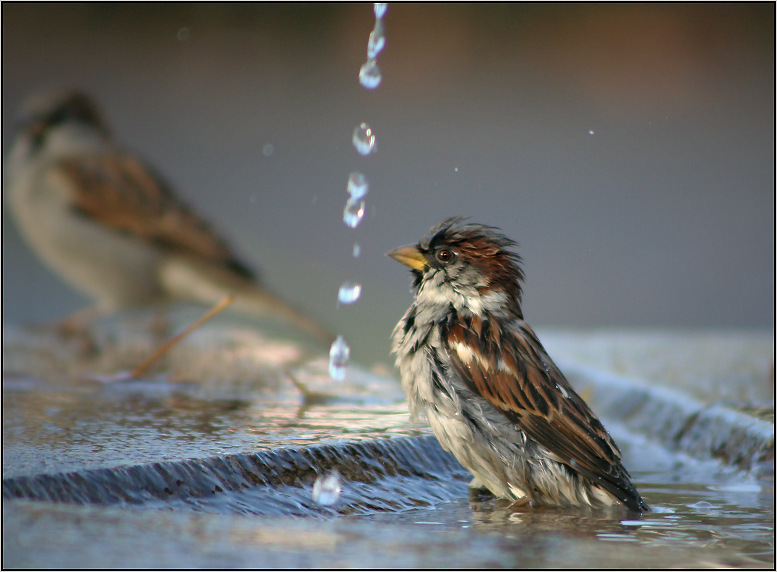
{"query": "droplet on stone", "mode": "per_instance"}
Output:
(326, 489)
(339, 355)
(357, 249)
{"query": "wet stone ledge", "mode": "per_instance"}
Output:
(386, 474)
(240, 420)
(706, 393)
(225, 412)
(678, 421)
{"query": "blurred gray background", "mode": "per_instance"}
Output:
(629, 149)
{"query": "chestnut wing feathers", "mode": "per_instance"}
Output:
(122, 193)
(531, 391)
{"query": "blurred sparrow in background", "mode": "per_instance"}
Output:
(491, 393)
(110, 226)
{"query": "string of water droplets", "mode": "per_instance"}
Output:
(364, 142)
(326, 489)
(369, 74)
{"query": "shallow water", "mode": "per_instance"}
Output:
(695, 525)
(220, 472)
(704, 513)
(697, 520)
(71, 426)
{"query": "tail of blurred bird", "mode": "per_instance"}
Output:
(207, 285)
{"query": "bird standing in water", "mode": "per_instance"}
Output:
(492, 395)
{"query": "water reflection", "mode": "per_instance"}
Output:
(54, 427)
(490, 514)
(245, 430)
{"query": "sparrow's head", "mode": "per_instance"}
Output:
(465, 265)
(59, 121)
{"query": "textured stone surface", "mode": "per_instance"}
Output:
(239, 420)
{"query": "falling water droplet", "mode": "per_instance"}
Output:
(339, 354)
(380, 9)
(377, 41)
(353, 213)
(326, 489)
(357, 249)
(364, 139)
(591, 131)
(349, 292)
(357, 185)
(369, 74)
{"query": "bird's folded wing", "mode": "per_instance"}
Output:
(118, 191)
(509, 368)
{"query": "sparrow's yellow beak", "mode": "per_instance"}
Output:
(409, 256)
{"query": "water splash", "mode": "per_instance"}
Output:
(365, 143)
(326, 489)
(339, 355)
(349, 292)
(364, 139)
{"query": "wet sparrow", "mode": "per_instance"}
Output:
(493, 397)
(109, 225)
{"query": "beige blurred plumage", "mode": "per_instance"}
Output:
(110, 226)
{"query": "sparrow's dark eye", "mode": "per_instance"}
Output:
(445, 255)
